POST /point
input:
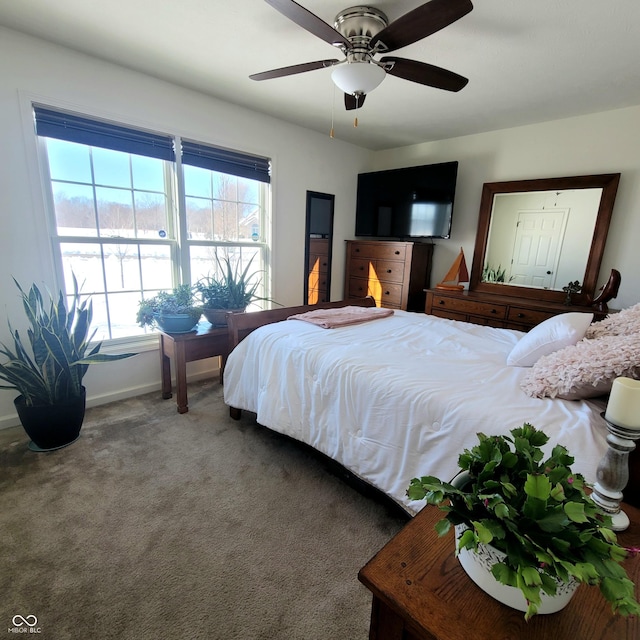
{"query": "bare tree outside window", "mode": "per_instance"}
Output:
(116, 223)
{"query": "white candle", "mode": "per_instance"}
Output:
(623, 408)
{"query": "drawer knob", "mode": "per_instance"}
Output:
(386, 293)
(388, 270)
(397, 253)
(361, 268)
(521, 315)
(440, 301)
(493, 311)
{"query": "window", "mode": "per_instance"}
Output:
(131, 217)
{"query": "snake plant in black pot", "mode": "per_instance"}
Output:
(47, 368)
(230, 291)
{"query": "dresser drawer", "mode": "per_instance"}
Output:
(389, 271)
(470, 307)
(391, 294)
(318, 263)
(379, 251)
(384, 293)
(527, 316)
(449, 315)
(357, 288)
(317, 280)
(486, 322)
(319, 245)
(382, 270)
(359, 267)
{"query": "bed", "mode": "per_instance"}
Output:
(395, 397)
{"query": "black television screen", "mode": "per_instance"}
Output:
(412, 202)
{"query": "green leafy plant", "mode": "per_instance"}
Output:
(233, 288)
(570, 289)
(537, 512)
(178, 301)
(490, 274)
(49, 367)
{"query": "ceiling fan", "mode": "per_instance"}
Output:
(363, 32)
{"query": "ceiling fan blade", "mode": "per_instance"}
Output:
(309, 21)
(424, 73)
(420, 23)
(292, 70)
(351, 103)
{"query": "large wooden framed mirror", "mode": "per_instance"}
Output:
(537, 236)
(318, 247)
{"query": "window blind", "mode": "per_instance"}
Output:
(72, 128)
(224, 161)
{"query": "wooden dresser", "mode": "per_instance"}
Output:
(395, 274)
(506, 312)
(318, 271)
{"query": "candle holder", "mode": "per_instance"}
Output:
(613, 473)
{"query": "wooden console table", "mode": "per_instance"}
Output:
(206, 342)
(420, 592)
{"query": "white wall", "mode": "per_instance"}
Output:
(302, 160)
(605, 142)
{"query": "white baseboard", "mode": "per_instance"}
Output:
(12, 420)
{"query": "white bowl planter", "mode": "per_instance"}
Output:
(477, 565)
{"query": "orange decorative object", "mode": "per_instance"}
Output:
(457, 273)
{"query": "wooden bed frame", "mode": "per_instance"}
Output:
(242, 324)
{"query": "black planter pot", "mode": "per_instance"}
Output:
(52, 426)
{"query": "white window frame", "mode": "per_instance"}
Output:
(179, 245)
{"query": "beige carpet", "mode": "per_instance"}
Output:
(155, 525)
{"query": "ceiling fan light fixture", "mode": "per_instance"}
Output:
(358, 77)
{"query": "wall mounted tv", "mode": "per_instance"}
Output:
(412, 202)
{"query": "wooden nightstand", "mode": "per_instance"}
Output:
(205, 342)
(420, 592)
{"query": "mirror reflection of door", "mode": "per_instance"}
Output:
(319, 240)
(539, 238)
(559, 245)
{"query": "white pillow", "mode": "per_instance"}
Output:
(554, 333)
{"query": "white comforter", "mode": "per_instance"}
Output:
(399, 397)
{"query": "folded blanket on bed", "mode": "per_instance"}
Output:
(342, 316)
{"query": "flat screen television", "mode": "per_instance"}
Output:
(412, 202)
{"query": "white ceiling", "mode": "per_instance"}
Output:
(527, 60)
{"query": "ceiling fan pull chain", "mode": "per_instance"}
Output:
(355, 119)
(333, 108)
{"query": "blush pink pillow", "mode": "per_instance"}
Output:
(584, 370)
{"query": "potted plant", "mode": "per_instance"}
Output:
(173, 311)
(535, 511)
(229, 292)
(48, 369)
